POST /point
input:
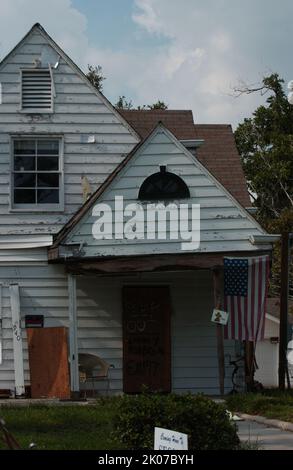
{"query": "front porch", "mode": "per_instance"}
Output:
(190, 359)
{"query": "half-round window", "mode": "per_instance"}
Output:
(163, 185)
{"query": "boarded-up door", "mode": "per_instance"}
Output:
(146, 339)
(48, 361)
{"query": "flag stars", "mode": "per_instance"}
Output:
(236, 277)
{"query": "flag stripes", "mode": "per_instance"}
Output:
(246, 312)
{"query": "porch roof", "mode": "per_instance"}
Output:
(148, 263)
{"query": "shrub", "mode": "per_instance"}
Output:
(206, 422)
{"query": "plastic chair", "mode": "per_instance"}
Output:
(92, 369)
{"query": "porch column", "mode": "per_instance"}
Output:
(73, 348)
(17, 340)
(220, 337)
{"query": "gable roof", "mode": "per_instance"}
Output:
(39, 28)
(218, 154)
(68, 227)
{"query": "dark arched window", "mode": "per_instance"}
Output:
(163, 185)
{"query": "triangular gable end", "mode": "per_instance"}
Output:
(37, 28)
(225, 224)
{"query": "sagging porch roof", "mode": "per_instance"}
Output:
(150, 263)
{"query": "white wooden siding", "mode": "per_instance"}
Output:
(78, 113)
(225, 226)
(43, 291)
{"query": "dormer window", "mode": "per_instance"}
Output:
(36, 91)
(163, 185)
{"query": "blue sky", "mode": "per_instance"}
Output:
(188, 53)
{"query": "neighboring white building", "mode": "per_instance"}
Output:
(57, 130)
(267, 351)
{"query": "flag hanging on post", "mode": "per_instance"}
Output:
(245, 294)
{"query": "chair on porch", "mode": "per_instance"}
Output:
(93, 369)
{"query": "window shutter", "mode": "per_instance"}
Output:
(36, 90)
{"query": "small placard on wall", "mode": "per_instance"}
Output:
(219, 316)
(34, 321)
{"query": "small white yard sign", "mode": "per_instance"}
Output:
(165, 439)
(219, 316)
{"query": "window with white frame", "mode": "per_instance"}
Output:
(37, 173)
(36, 91)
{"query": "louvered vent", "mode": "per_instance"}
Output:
(36, 90)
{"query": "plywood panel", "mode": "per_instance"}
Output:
(48, 360)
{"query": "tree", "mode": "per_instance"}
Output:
(95, 76)
(265, 143)
(122, 103)
(158, 105)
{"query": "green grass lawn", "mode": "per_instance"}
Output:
(62, 427)
(271, 404)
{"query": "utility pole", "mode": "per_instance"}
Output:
(284, 309)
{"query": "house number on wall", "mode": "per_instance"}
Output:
(17, 331)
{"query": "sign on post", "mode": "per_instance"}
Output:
(165, 439)
(220, 317)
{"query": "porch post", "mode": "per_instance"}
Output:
(220, 337)
(73, 348)
(17, 340)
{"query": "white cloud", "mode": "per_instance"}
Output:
(233, 44)
(63, 22)
(200, 51)
(147, 17)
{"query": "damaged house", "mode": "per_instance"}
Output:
(141, 304)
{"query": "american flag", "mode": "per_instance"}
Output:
(245, 294)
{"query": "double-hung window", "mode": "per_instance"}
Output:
(37, 173)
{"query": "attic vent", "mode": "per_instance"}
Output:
(36, 89)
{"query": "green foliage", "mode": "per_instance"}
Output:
(96, 77)
(282, 224)
(265, 144)
(62, 427)
(122, 103)
(205, 422)
(158, 105)
(270, 403)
